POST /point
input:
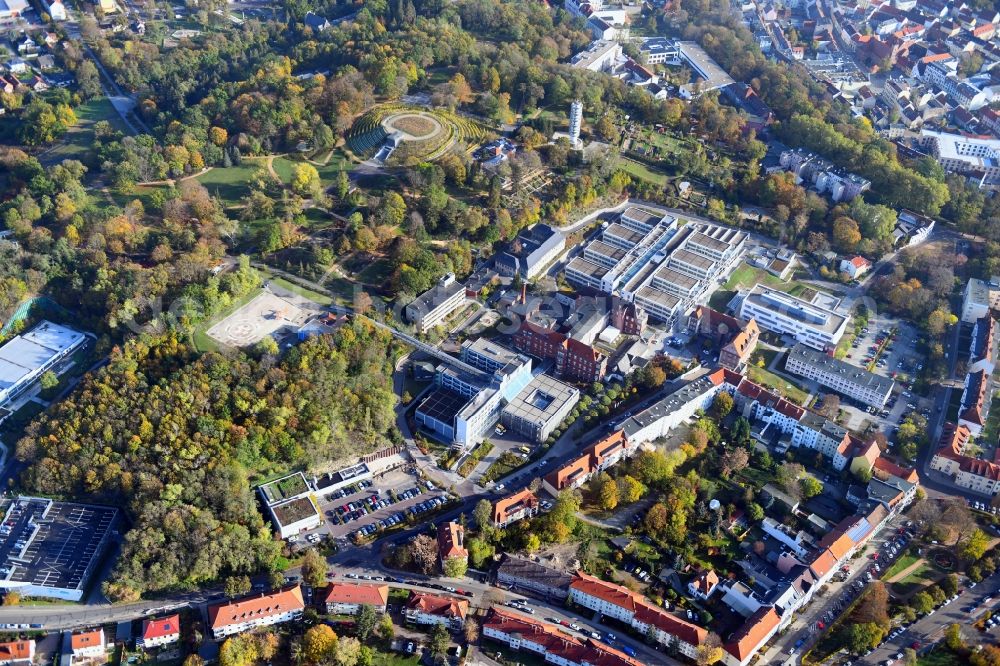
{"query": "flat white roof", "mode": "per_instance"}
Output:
(26, 354)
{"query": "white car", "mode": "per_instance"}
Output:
(574, 626)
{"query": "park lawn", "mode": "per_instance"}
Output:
(899, 565)
(143, 193)
(78, 142)
(643, 172)
(230, 183)
(315, 296)
(923, 574)
(765, 377)
(338, 162)
(284, 165)
(376, 273)
(941, 657)
(393, 659)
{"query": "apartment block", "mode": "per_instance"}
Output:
(259, 610)
(842, 377)
(435, 305)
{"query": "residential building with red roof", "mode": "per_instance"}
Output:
(596, 458)
(981, 476)
(758, 629)
(348, 598)
(855, 266)
(570, 476)
(451, 537)
(975, 401)
(259, 610)
(160, 631)
(736, 339)
(554, 644)
(424, 608)
(510, 509)
(17, 653)
(89, 644)
(704, 584)
(634, 609)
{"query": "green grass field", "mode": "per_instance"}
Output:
(376, 273)
(765, 377)
(941, 657)
(322, 299)
(283, 166)
(899, 565)
(200, 337)
(643, 172)
(78, 142)
(230, 183)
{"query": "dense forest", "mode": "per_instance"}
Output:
(176, 438)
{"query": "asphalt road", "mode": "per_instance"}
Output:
(930, 628)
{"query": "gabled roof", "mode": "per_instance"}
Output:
(892, 469)
(17, 651)
(706, 581)
(354, 593)
(433, 604)
(512, 503)
(87, 639)
(260, 606)
(161, 627)
(824, 563)
(556, 641)
(450, 538)
(973, 408)
(753, 633)
(642, 609)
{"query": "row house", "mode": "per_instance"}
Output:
(551, 642)
(595, 459)
(348, 598)
(429, 609)
(260, 610)
(965, 471)
(626, 606)
(17, 653)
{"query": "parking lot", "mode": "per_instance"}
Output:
(891, 345)
(373, 504)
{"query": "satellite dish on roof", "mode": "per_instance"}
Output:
(714, 505)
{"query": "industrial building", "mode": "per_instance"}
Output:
(50, 549)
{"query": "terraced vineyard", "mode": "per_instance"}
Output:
(368, 134)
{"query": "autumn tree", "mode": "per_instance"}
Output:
(314, 568)
(722, 405)
(347, 651)
(974, 546)
(305, 179)
(861, 637)
(710, 651)
(733, 460)
(846, 234)
(606, 492)
(630, 489)
(319, 644)
(424, 553)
